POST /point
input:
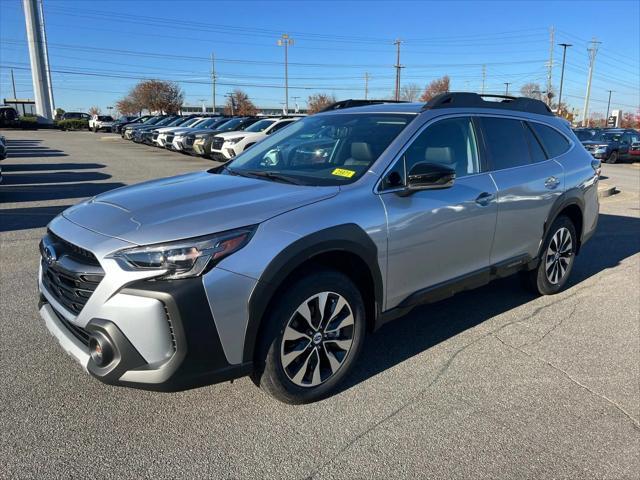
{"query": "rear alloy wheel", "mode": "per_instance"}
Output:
(613, 157)
(313, 336)
(556, 259)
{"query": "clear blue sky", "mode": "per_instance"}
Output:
(335, 44)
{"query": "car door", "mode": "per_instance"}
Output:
(528, 181)
(438, 236)
(625, 144)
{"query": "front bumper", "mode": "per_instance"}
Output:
(163, 333)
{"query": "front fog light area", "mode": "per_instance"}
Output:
(100, 349)
(187, 258)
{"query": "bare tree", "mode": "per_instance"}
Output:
(410, 92)
(94, 111)
(154, 96)
(319, 101)
(531, 90)
(436, 87)
(239, 104)
(127, 106)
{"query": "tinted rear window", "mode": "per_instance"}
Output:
(553, 142)
(537, 153)
(506, 142)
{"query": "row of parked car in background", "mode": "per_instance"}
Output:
(216, 137)
(610, 145)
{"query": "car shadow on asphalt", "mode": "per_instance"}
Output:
(24, 218)
(617, 238)
(36, 167)
(31, 149)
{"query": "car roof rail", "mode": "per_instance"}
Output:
(352, 102)
(476, 100)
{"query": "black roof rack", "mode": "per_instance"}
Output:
(350, 103)
(475, 100)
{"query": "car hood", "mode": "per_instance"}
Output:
(234, 133)
(190, 205)
(173, 129)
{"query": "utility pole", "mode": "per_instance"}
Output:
(398, 67)
(484, 77)
(606, 118)
(230, 95)
(564, 56)
(46, 56)
(506, 89)
(213, 82)
(366, 85)
(286, 42)
(550, 65)
(13, 82)
(593, 50)
(37, 48)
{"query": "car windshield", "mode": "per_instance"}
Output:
(230, 125)
(208, 122)
(260, 126)
(180, 121)
(330, 149)
(583, 135)
(608, 137)
(153, 120)
(166, 121)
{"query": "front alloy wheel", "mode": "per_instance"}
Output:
(317, 339)
(312, 334)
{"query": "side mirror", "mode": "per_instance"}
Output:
(429, 176)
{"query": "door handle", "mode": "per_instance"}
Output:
(485, 198)
(551, 183)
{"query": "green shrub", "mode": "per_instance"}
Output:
(28, 121)
(73, 124)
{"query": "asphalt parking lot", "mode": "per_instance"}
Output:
(493, 383)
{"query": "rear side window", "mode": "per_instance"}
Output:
(505, 139)
(537, 153)
(553, 142)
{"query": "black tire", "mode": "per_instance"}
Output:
(613, 157)
(269, 373)
(538, 280)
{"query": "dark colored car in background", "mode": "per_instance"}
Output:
(126, 120)
(613, 144)
(75, 116)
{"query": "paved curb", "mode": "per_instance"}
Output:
(606, 190)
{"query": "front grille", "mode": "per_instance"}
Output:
(189, 141)
(168, 139)
(155, 136)
(78, 332)
(72, 275)
(216, 143)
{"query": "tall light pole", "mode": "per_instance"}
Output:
(606, 118)
(398, 67)
(564, 57)
(286, 42)
(37, 56)
(213, 82)
(506, 88)
(593, 50)
(366, 85)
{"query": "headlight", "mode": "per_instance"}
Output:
(185, 258)
(233, 141)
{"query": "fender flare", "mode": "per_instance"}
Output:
(349, 238)
(573, 196)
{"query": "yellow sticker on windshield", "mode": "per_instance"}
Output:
(341, 172)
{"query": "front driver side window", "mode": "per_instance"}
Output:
(450, 142)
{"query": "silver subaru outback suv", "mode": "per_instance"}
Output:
(278, 264)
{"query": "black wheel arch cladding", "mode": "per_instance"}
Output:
(348, 238)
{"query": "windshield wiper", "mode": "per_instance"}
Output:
(270, 175)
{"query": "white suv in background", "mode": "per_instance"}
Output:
(100, 122)
(162, 139)
(238, 141)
